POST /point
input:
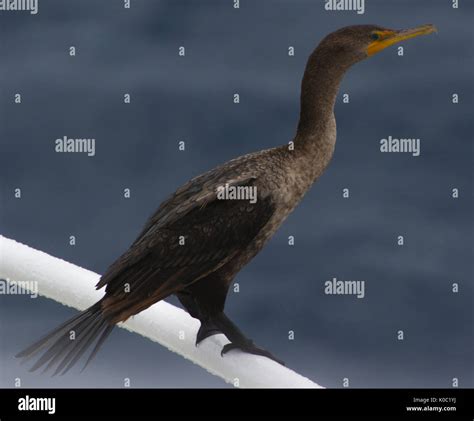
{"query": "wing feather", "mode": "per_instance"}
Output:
(159, 263)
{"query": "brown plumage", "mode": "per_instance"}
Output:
(221, 236)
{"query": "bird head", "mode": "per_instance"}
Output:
(355, 43)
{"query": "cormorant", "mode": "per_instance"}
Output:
(196, 242)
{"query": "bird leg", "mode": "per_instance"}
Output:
(238, 340)
(208, 328)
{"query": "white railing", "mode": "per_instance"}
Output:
(163, 323)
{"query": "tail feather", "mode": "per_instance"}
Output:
(99, 343)
(79, 347)
(33, 349)
(61, 347)
(63, 351)
(58, 342)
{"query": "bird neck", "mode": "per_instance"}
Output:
(319, 89)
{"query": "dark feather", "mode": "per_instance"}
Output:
(60, 350)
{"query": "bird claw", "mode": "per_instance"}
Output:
(250, 348)
(226, 348)
(205, 331)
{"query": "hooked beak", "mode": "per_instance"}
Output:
(388, 38)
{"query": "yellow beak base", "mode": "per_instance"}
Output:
(388, 38)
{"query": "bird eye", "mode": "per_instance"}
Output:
(374, 36)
